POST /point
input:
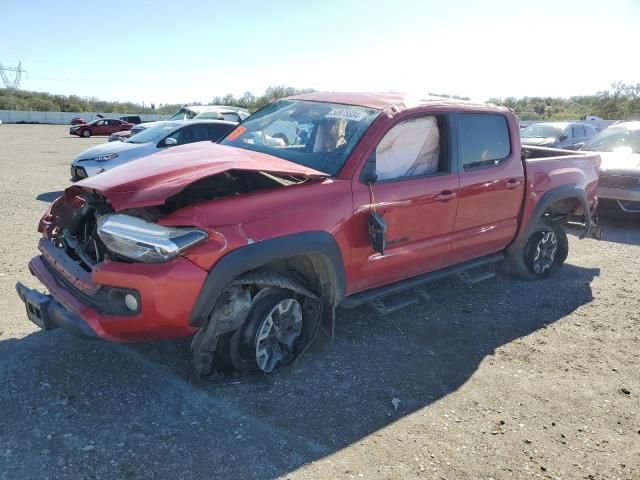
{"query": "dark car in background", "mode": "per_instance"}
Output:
(102, 126)
(619, 184)
(564, 135)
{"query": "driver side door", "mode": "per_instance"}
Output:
(416, 194)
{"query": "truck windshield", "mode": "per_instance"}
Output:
(314, 134)
(615, 139)
(541, 131)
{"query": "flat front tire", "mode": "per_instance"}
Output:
(271, 335)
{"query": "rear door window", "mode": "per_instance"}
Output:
(484, 140)
(578, 131)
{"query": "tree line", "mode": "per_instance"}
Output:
(621, 101)
(46, 102)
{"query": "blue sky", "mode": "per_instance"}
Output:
(188, 50)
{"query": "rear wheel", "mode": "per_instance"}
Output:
(86, 133)
(542, 255)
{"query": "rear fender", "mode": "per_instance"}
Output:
(550, 197)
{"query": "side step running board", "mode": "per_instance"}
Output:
(472, 269)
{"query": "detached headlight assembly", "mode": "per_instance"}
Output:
(143, 241)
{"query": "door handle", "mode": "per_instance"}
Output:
(445, 195)
(513, 183)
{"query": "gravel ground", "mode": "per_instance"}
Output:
(504, 379)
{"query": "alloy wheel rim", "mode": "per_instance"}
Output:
(277, 334)
(545, 252)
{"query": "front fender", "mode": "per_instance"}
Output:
(255, 255)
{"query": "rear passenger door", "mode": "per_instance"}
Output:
(100, 128)
(492, 185)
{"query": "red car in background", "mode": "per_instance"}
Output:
(78, 121)
(102, 126)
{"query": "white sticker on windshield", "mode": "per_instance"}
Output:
(347, 114)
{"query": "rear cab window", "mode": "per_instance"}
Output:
(484, 140)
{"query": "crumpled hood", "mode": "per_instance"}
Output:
(151, 180)
(107, 148)
(538, 140)
(620, 161)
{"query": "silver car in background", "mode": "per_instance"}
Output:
(195, 112)
(564, 135)
(151, 140)
(619, 184)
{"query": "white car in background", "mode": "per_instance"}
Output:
(194, 112)
(151, 140)
(190, 112)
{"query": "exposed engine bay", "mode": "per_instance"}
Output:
(75, 228)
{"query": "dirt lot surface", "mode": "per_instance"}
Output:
(504, 379)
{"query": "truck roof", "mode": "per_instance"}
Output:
(384, 100)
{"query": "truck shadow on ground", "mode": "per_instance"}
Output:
(137, 412)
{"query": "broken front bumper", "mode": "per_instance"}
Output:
(166, 293)
(48, 314)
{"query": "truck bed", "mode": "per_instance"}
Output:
(554, 170)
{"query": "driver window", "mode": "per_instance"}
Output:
(410, 149)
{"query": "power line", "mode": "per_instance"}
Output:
(7, 72)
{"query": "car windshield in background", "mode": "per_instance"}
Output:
(541, 131)
(314, 134)
(210, 116)
(183, 114)
(152, 134)
(615, 139)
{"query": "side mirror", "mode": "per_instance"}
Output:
(170, 142)
(368, 174)
(563, 137)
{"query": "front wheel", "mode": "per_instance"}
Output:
(86, 133)
(542, 255)
(272, 335)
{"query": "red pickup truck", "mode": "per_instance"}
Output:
(314, 202)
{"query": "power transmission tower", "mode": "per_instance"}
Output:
(5, 74)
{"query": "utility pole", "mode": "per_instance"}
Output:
(7, 72)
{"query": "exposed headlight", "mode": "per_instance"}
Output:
(148, 242)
